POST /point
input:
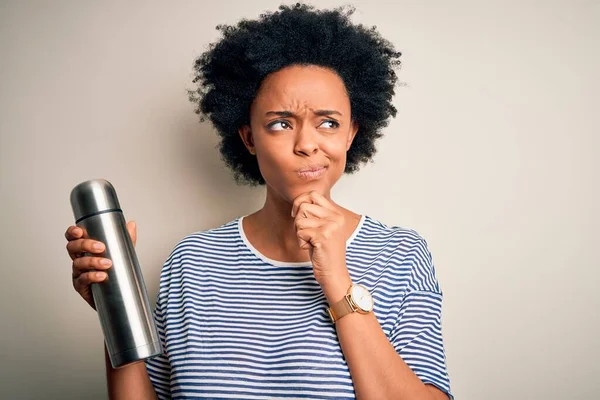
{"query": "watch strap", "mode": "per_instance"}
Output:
(341, 308)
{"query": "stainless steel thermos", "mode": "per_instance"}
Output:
(121, 299)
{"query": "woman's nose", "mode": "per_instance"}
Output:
(307, 140)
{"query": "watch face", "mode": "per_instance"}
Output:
(362, 298)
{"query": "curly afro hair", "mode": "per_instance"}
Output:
(230, 73)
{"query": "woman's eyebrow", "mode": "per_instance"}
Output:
(281, 113)
(327, 112)
(291, 114)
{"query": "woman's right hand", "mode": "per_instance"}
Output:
(88, 269)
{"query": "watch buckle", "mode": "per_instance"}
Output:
(331, 315)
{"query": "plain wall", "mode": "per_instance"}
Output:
(492, 158)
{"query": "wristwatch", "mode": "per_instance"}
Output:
(357, 299)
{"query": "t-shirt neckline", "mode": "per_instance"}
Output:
(268, 260)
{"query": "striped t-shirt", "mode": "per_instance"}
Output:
(236, 324)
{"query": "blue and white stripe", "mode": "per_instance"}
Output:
(235, 324)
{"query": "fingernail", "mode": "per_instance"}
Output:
(106, 262)
(292, 213)
(100, 275)
(98, 246)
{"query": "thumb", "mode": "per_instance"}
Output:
(132, 229)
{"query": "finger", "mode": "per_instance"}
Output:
(73, 232)
(303, 198)
(87, 278)
(309, 223)
(78, 247)
(303, 224)
(309, 210)
(312, 197)
(306, 237)
(84, 264)
(132, 229)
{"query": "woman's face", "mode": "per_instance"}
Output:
(300, 130)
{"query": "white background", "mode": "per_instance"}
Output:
(492, 159)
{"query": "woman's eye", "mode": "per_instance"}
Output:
(330, 124)
(279, 126)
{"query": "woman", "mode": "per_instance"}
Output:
(303, 298)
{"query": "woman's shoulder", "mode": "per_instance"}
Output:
(375, 230)
(225, 230)
(402, 246)
(222, 236)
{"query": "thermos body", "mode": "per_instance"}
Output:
(121, 299)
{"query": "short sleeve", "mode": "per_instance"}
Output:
(417, 333)
(159, 367)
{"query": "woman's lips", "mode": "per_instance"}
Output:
(312, 174)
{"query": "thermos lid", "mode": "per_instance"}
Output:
(93, 197)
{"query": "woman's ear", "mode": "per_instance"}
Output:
(352, 134)
(246, 135)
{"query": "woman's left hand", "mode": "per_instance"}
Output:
(320, 230)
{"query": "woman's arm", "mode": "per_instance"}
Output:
(377, 370)
(130, 382)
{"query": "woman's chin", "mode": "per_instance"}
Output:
(290, 190)
(318, 186)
